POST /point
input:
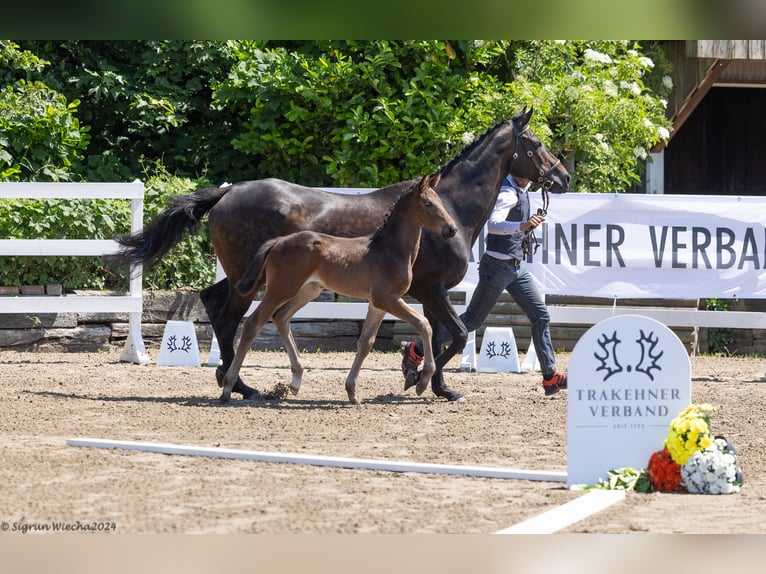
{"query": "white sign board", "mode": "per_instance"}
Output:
(629, 376)
(621, 245)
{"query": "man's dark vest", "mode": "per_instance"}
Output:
(511, 244)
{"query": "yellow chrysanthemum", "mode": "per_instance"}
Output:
(689, 432)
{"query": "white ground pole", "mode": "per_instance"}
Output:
(369, 464)
(546, 523)
(567, 514)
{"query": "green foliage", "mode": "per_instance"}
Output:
(40, 136)
(372, 113)
(598, 104)
(356, 114)
(148, 101)
(623, 479)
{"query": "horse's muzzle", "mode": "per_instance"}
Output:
(449, 231)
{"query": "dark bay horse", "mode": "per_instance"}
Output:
(297, 267)
(242, 216)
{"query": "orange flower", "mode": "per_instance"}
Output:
(664, 472)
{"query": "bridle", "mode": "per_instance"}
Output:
(544, 179)
(544, 176)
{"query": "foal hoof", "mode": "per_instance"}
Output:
(422, 386)
(225, 397)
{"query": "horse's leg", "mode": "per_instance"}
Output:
(442, 316)
(282, 319)
(225, 309)
(363, 345)
(250, 330)
(400, 309)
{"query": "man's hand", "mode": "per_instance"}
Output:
(531, 223)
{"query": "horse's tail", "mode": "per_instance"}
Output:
(254, 273)
(182, 215)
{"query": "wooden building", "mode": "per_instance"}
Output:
(718, 110)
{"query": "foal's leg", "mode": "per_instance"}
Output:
(225, 308)
(401, 309)
(250, 330)
(363, 345)
(282, 319)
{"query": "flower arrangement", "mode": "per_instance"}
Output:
(713, 470)
(664, 472)
(691, 460)
(689, 432)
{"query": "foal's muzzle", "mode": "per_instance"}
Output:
(449, 231)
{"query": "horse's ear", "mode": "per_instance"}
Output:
(527, 115)
(434, 180)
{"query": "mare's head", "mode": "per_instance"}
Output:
(532, 160)
(429, 209)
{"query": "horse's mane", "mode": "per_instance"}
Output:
(375, 236)
(468, 149)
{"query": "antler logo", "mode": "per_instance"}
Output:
(505, 350)
(609, 362)
(648, 360)
(186, 344)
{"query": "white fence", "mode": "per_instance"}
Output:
(132, 303)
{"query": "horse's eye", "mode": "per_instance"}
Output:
(427, 203)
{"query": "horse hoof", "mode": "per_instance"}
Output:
(354, 400)
(224, 399)
(294, 390)
(413, 376)
(450, 395)
(421, 386)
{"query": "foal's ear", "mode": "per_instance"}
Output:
(434, 179)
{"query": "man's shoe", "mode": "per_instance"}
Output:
(556, 383)
(410, 363)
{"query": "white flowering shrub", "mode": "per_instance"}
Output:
(603, 101)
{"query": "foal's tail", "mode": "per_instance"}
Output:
(164, 231)
(254, 273)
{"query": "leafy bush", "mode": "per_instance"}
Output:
(40, 137)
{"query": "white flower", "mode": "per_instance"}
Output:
(596, 57)
(663, 133)
(667, 81)
(571, 93)
(578, 76)
(631, 87)
(712, 471)
(640, 153)
(646, 62)
(467, 138)
(609, 88)
(663, 103)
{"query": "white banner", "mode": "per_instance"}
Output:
(646, 246)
